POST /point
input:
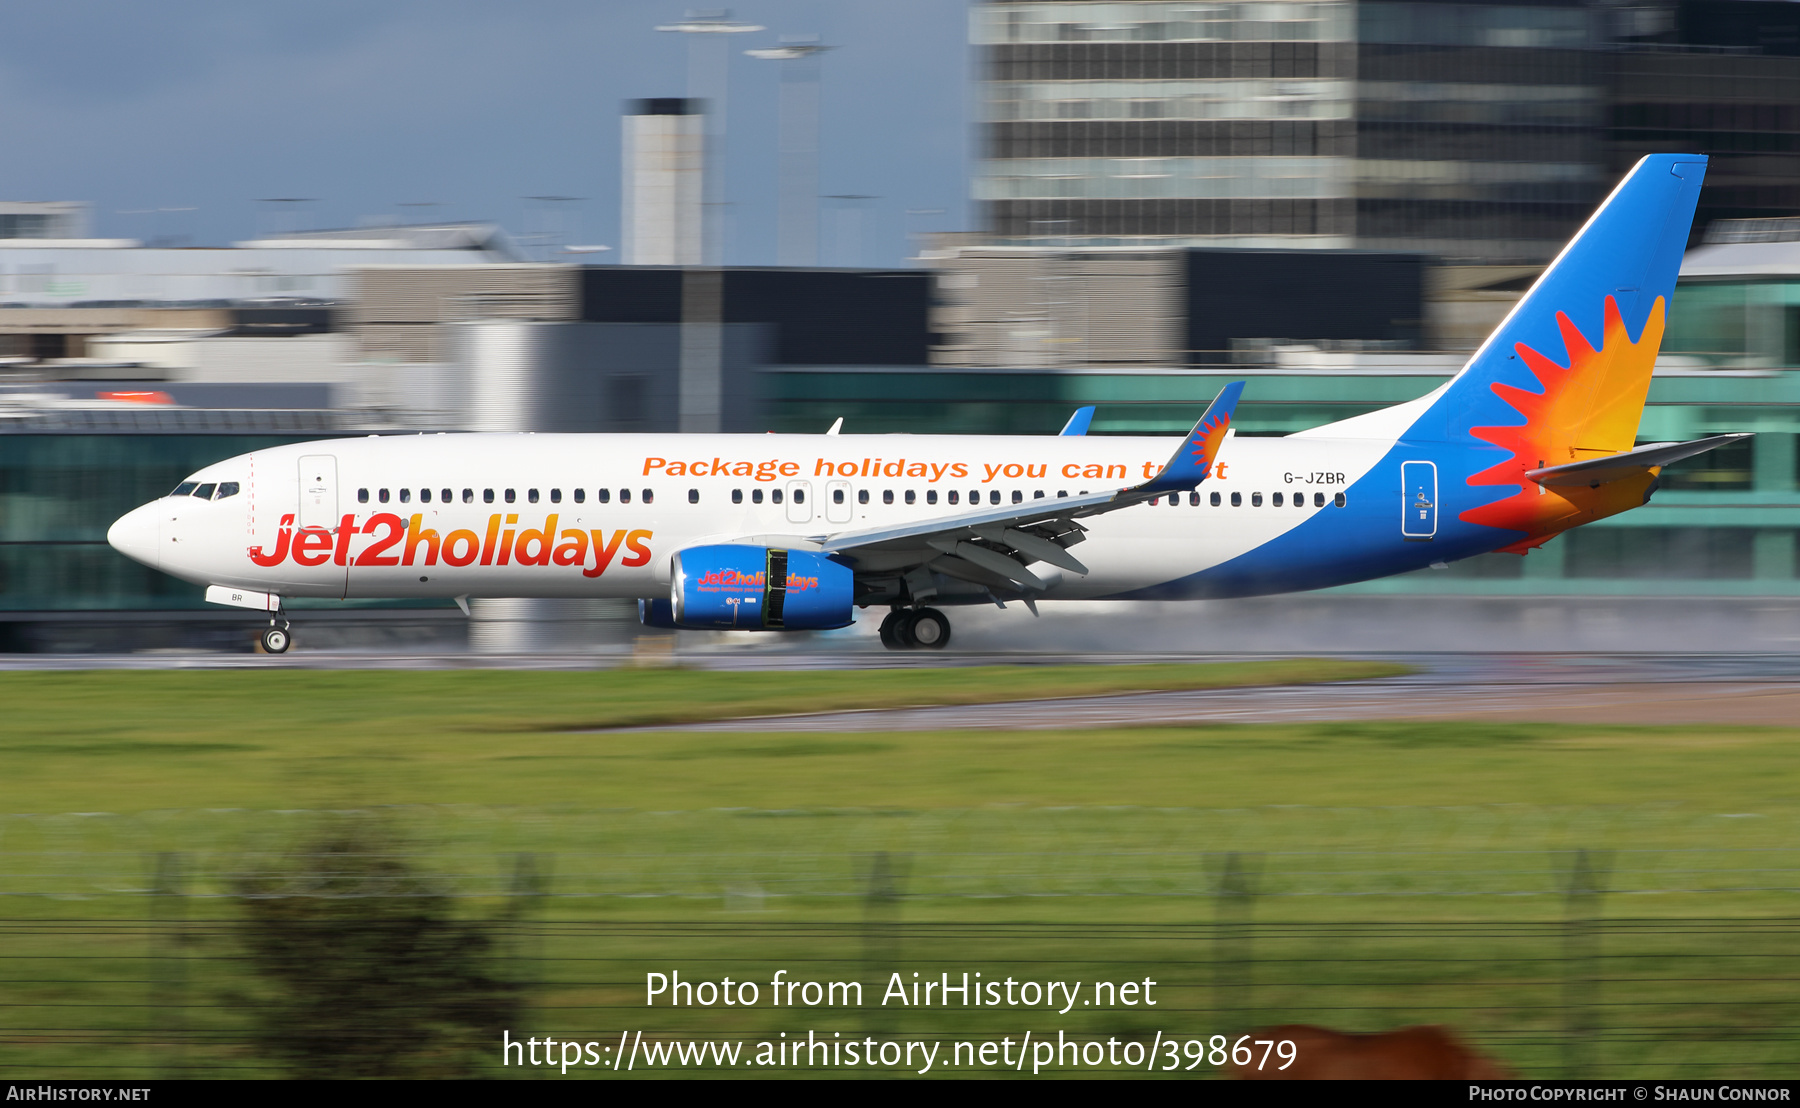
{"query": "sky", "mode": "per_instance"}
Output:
(177, 119)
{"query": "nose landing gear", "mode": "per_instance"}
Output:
(276, 639)
(909, 629)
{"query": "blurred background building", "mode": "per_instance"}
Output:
(1334, 200)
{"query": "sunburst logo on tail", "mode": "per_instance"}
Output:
(1589, 408)
(1207, 438)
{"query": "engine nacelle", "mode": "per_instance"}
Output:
(753, 588)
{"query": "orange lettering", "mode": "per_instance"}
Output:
(262, 558)
(414, 537)
(603, 552)
(640, 554)
(487, 548)
(573, 551)
(522, 552)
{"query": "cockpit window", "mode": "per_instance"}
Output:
(186, 488)
(205, 491)
(226, 488)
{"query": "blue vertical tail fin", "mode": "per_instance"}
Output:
(1566, 372)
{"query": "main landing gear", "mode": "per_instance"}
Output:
(276, 639)
(907, 629)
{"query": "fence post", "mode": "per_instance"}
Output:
(168, 960)
(881, 929)
(1581, 963)
(1233, 890)
(525, 894)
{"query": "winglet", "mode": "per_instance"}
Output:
(1078, 423)
(1193, 459)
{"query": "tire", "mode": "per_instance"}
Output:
(276, 640)
(890, 624)
(928, 629)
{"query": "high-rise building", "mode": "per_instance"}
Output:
(1480, 132)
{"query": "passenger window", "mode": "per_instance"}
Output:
(1062, 494)
(406, 496)
(1318, 500)
(1193, 499)
(531, 496)
(1215, 500)
(1339, 500)
(1299, 500)
(887, 496)
(737, 496)
(487, 496)
(774, 496)
(1174, 500)
(1018, 497)
(756, 496)
(556, 496)
(362, 495)
(205, 492)
(424, 496)
(862, 496)
(1237, 500)
(799, 496)
(912, 497)
(511, 496)
(693, 496)
(1256, 500)
(975, 497)
(837, 496)
(954, 496)
(445, 495)
(381, 495)
(649, 496)
(603, 496)
(994, 496)
(580, 496)
(186, 488)
(1275, 500)
(468, 496)
(931, 496)
(624, 496)
(226, 488)
(1038, 495)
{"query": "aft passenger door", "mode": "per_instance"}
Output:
(1418, 501)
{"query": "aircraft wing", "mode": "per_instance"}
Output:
(1593, 472)
(995, 544)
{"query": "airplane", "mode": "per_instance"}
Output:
(1535, 435)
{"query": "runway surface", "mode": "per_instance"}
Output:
(1756, 689)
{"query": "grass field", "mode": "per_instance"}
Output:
(1396, 872)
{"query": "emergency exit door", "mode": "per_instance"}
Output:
(1418, 501)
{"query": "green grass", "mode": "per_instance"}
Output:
(1403, 872)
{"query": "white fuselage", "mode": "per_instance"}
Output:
(542, 515)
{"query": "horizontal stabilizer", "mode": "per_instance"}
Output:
(1614, 467)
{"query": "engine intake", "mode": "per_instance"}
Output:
(737, 587)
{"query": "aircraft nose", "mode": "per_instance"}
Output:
(135, 535)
